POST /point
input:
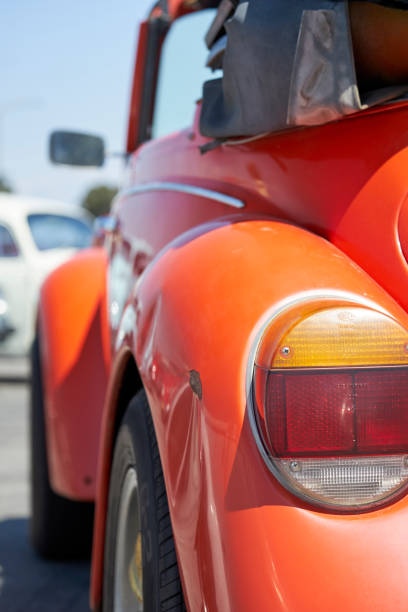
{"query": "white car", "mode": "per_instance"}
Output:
(5, 327)
(36, 235)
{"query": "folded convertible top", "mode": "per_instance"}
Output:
(286, 63)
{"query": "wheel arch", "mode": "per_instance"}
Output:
(73, 330)
(125, 382)
(126, 386)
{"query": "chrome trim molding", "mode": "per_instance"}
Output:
(201, 192)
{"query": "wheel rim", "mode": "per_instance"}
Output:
(128, 589)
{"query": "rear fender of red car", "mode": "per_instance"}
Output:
(244, 542)
(75, 355)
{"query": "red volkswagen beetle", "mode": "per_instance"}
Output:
(227, 380)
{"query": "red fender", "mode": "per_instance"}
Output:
(242, 540)
(75, 356)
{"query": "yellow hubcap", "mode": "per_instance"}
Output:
(136, 569)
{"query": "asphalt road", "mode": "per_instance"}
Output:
(28, 584)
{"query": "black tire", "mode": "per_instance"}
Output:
(136, 452)
(59, 528)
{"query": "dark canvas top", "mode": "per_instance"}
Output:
(390, 3)
(286, 63)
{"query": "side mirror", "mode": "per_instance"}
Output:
(75, 149)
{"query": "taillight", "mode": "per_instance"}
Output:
(331, 407)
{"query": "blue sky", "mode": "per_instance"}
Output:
(69, 64)
(64, 64)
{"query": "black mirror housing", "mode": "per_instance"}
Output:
(76, 149)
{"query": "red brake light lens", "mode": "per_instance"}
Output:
(326, 413)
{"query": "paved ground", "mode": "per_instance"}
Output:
(27, 584)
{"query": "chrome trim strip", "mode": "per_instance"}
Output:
(201, 192)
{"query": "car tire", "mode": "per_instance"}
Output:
(59, 528)
(140, 568)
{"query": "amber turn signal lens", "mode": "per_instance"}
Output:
(337, 337)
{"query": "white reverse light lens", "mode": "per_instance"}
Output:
(347, 482)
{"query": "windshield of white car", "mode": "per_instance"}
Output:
(59, 232)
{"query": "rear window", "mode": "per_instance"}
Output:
(58, 232)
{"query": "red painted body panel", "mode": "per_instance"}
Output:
(243, 542)
(334, 179)
(177, 8)
(403, 228)
(346, 181)
(75, 356)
